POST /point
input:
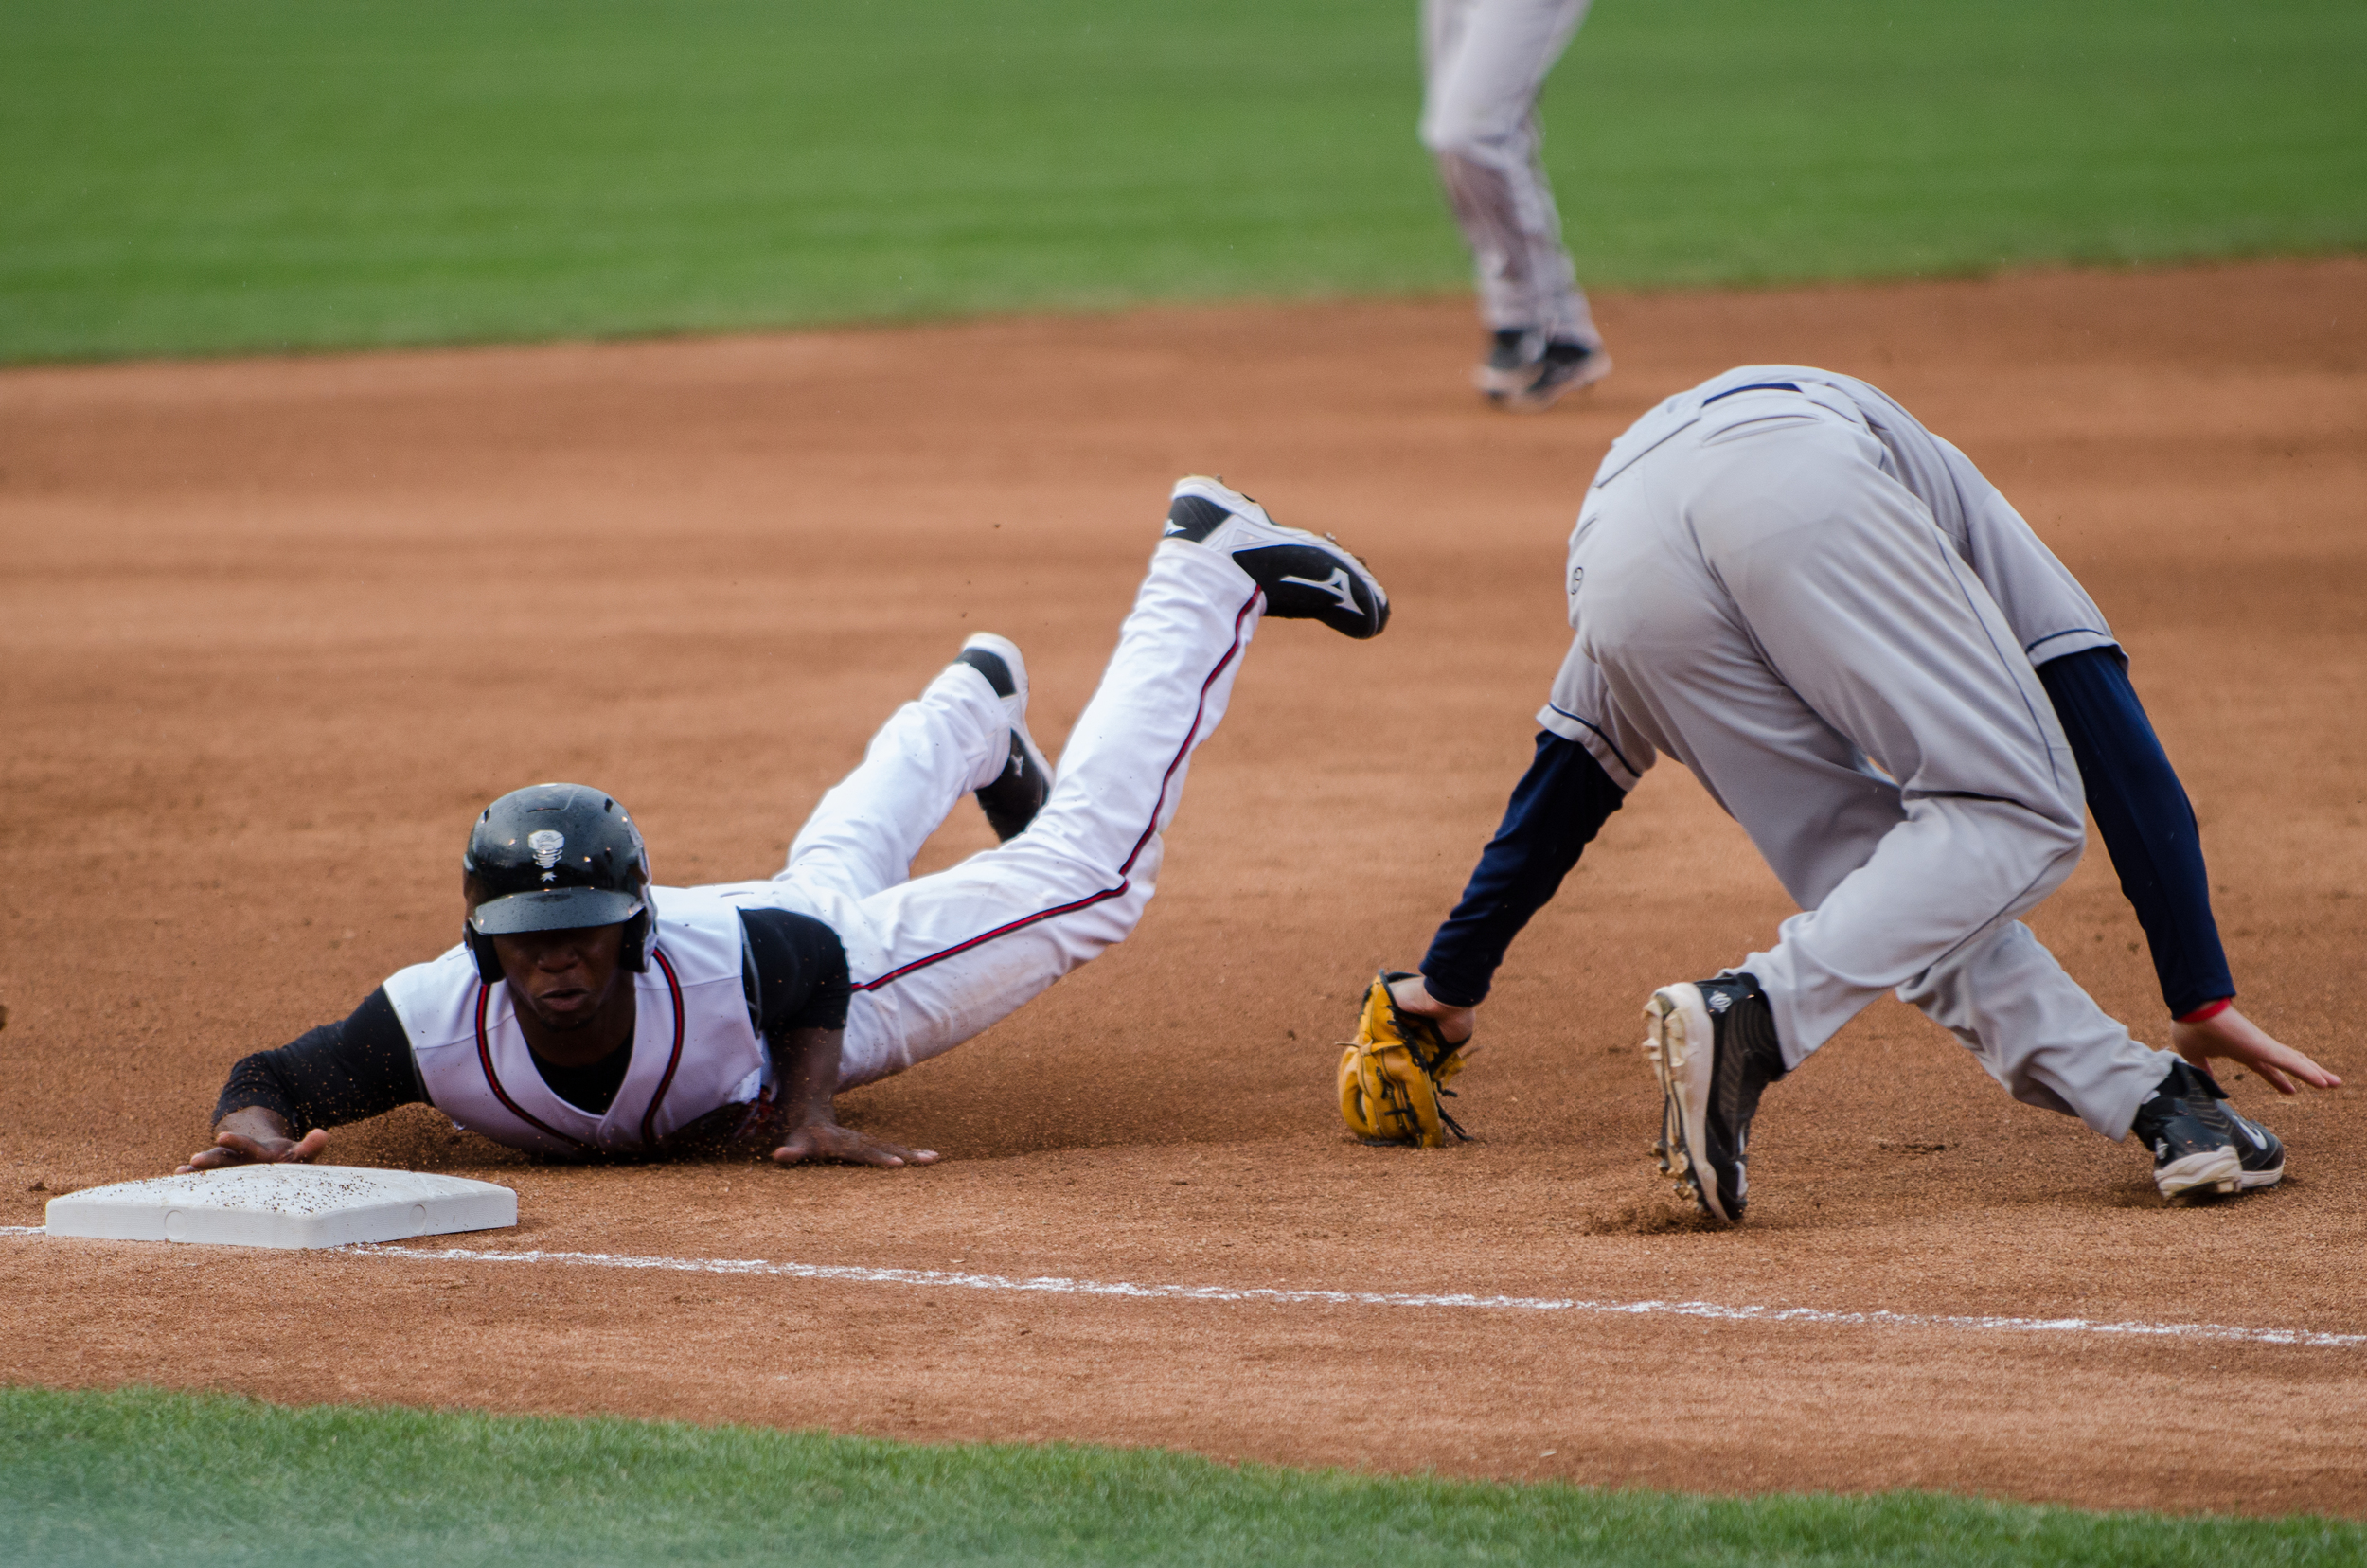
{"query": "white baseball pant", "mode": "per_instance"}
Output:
(940, 958)
(1483, 62)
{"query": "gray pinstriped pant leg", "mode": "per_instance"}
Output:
(1483, 62)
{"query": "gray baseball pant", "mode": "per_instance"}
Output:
(1776, 611)
(1483, 63)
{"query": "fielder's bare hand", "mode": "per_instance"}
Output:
(1454, 1023)
(2233, 1037)
(254, 1136)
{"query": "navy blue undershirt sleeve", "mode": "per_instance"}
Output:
(1556, 810)
(796, 972)
(338, 1073)
(2148, 823)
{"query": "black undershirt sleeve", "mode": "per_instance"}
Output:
(796, 972)
(2146, 822)
(338, 1073)
(1556, 810)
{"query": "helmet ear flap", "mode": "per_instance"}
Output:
(488, 962)
(633, 952)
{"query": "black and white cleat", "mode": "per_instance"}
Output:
(1303, 575)
(1012, 800)
(1712, 1045)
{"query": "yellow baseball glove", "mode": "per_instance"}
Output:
(1393, 1073)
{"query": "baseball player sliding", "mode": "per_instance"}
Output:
(1483, 62)
(1784, 581)
(586, 1012)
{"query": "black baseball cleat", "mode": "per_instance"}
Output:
(1020, 791)
(1527, 371)
(2259, 1151)
(1303, 575)
(1512, 362)
(2200, 1146)
(1712, 1044)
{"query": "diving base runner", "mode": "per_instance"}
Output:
(587, 1013)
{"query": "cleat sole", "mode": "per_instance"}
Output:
(2219, 1169)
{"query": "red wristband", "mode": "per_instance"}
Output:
(2207, 1011)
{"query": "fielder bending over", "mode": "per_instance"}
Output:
(1823, 609)
(586, 1012)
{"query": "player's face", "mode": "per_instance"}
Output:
(563, 977)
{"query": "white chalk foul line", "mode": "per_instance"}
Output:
(1055, 1285)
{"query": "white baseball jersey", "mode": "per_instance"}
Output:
(695, 1048)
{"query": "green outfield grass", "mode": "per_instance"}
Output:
(138, 1476)
(207, 175)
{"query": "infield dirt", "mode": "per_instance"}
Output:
(275, 630)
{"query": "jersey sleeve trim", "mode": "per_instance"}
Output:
(1588, 733)
(673, 1062)
(2088, 636)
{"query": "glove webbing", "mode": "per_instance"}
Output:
(1430, 1069)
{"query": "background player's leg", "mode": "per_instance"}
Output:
(957, 952)
(1485, 61)
(1819, 623)
(865, 831)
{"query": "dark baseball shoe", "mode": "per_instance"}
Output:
(1712, 1044)
(1305, 576)
(1527, 372)
(2259, 1151)
(1019, 793)
(2197, 1148)
(1513, 354)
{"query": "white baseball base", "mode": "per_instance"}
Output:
(284, 1205)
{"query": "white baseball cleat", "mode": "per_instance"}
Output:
(1020, 791)
(1303, 575)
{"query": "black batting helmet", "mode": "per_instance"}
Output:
(553, 857)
